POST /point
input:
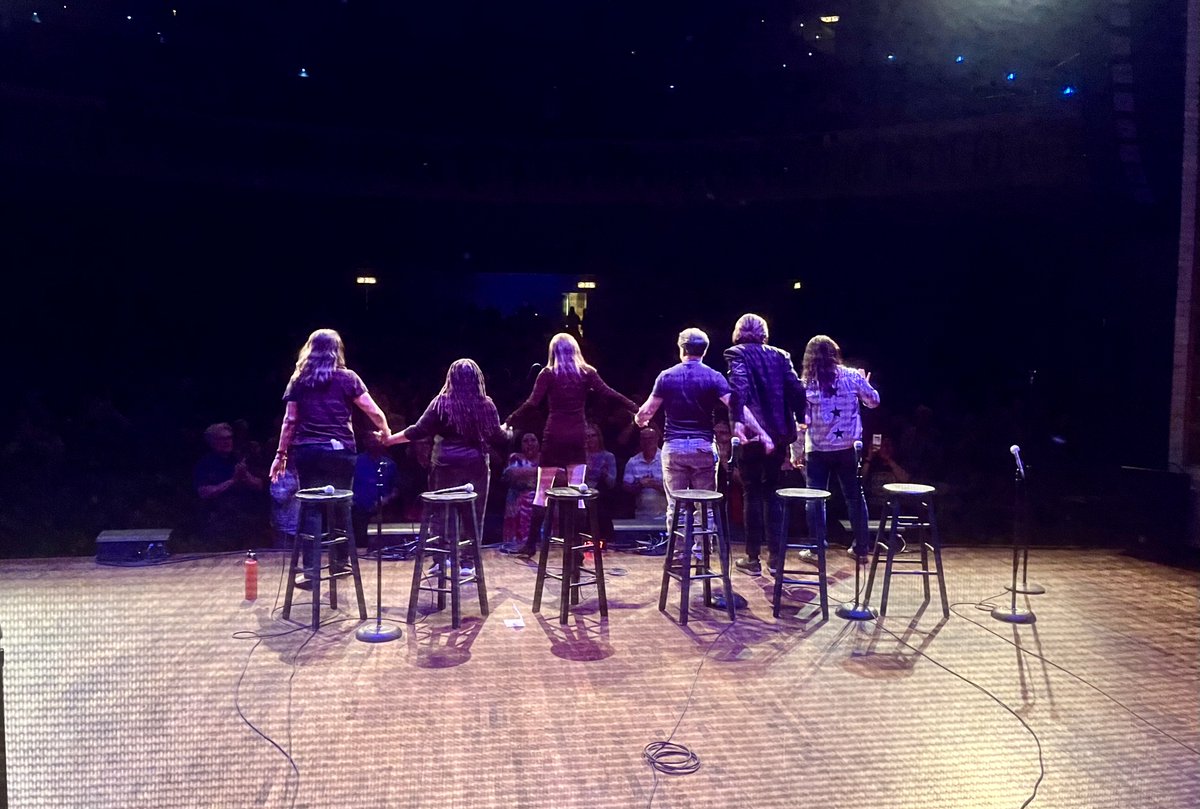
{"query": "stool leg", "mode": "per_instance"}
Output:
(414, 594)
(823, 586)
(332, 542)
(543, 555)
(477, 547)
(723, 551)
(891, 557)
(667, 560)
(356, 573)
(456, 522)
(780, 561)
(937, 557)
(291, 583)
(924, 562)
(685, 564)
(880, 533)
(707, 522)
(568, 562)
(315, 569)
(597, 553)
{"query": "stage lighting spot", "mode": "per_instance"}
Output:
(958, 60)
(36, 18)
(891, 57)
(1069, 90)
(303, 73)
(1010, 77)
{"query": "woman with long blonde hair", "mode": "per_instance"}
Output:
(564, 385)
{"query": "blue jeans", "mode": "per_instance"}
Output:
(688, 463)
(840, 464)
(317, 466)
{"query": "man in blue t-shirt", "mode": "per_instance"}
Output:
(689, 394)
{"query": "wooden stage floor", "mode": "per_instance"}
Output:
(127, 687)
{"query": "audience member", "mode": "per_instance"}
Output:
(520, 474)
(231, 495)
(644, 478)
(601, 475)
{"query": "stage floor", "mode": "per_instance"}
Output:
(124, 687)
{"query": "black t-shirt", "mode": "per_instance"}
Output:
(323, 411)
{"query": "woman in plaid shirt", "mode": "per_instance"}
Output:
(833, 393)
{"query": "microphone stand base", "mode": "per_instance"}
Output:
(1028, 588)
(1014, 615)
(853, 611)
(378, 632)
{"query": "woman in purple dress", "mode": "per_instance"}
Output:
(564, 385)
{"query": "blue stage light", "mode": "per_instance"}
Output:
(303, 73)
(958, 60)
(1069, 90)
(1010, 76)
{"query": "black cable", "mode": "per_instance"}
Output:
(990, 695)
(175, 560)
(676, 759)
(983, 605)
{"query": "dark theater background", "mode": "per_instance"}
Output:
(981, 201)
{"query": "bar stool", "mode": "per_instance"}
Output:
(443, 518)
(897, 528)
(814, 543)
(325, 500)
(687, 568)
(568, 510)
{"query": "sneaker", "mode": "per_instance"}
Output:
(303, 583)
(807, 556)
(465, 571)
(749, 566)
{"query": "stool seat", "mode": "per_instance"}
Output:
(572, 513)
(684, 566)
(909, 489)
(804, 494)
(571, 493)
(697, 495)
(325, 495)
(448, 497)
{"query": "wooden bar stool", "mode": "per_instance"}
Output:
(898, 530)
(329, 536)
(568, 512)
(682, 564)
(814, 500)
(444, 516)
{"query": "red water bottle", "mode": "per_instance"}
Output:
(251, 576)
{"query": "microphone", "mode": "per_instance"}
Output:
(1016, 453)
(466, 487)
(582, 488)
(327, 490)
(858, 446)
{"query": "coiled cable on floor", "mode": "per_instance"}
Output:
(670, 758)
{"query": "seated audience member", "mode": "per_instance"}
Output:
(231, 495)
(644, 478)
(520, 475)
(601, 475)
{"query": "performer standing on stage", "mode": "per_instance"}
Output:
(317, 436)
(465, 426)
(690, 392)
(763, 384)
(564, 383)
(834, 424)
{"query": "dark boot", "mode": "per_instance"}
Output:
(537, 516)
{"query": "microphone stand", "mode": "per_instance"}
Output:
(856, 611)
(377, 632)
(1014, 614)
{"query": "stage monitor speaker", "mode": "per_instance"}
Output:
(139, 546)
(1154, 511)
